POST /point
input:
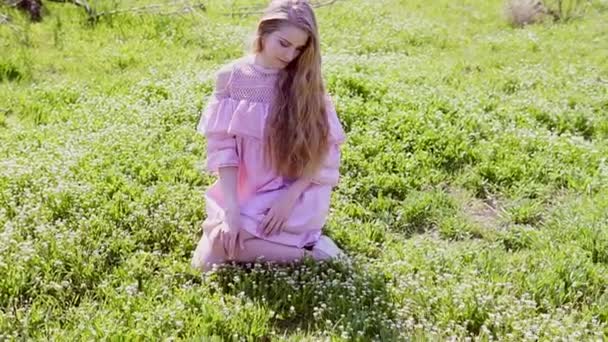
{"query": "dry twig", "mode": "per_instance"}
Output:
(4, 19)
(155, 9)
(162, 8)
(80, 3)
(250, 10)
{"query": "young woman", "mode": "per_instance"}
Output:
(273, 138)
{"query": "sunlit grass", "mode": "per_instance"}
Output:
(472, 200)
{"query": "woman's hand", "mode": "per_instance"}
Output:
(230, 231)
(275, 219)
(230, 234)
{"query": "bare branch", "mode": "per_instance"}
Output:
(80, 3)
(250, 10)
(154, 9)
(161, 8)
(4, 19)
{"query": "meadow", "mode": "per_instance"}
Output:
(473, 202)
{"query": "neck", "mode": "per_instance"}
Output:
(259, 60)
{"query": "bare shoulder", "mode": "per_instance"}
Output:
(233, 65)
(225, 73)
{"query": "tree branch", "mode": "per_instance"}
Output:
(4, 19)
(80, 3)
(249, 10)
(153, 8)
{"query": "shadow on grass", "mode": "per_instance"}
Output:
(339, 297)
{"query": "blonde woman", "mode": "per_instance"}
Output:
(273, 137)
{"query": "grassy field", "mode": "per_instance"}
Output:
(473, 200)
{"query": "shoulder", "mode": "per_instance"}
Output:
(225, 70)
(228, 71)
(234, 65)
(225, 74)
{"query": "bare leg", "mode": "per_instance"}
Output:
(269, 251)
(207, 254)
(210, 252)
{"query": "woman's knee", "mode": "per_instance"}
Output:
(207, 254)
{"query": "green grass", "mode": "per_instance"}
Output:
(473, 198)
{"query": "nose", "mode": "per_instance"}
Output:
(291, 55)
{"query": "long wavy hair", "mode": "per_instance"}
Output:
(297, 129)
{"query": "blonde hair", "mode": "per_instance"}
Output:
(297, 129)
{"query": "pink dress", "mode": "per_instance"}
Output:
(233, 123)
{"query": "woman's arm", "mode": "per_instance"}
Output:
(228, 182)
(278, 214)
(297, 188)
(230, 236)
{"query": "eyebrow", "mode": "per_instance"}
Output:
(287, 40)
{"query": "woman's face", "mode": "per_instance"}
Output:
(282, 46)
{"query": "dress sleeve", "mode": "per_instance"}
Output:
(214, 123)
(330, 170)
